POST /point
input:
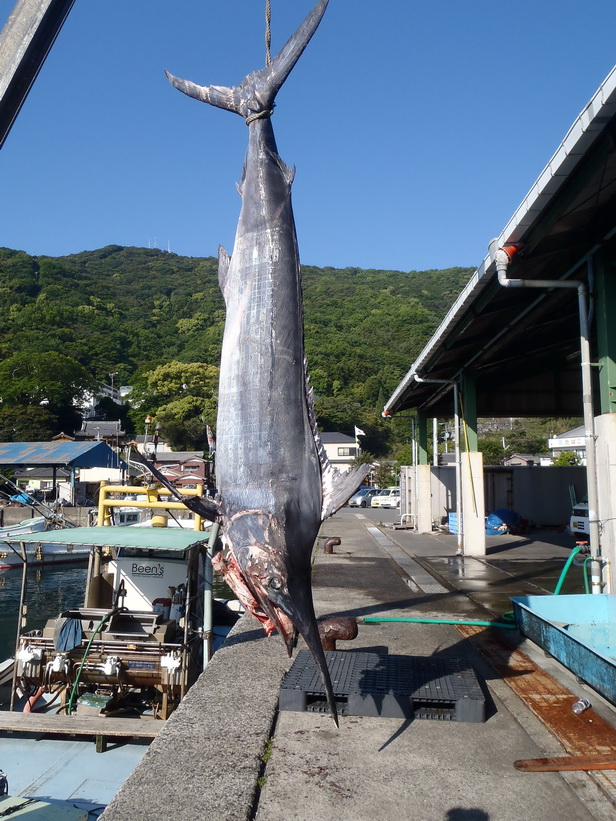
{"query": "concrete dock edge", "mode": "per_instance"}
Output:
(206, 761)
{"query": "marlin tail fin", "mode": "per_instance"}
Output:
(258, 90)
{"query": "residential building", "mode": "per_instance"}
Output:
(341, 450)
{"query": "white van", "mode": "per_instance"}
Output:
(390, 497)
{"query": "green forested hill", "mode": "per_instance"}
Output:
(128, 310)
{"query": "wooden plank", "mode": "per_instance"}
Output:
(566, 762)
(79, 725)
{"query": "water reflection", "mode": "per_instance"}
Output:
(49, 590)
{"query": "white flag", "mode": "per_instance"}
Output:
(359, 432)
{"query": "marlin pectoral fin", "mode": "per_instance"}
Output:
(208, 510)
(338, 487)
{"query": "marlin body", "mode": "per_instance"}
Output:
(275, 483)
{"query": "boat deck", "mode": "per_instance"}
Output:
(99, 727)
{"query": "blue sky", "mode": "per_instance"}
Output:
(416, 128)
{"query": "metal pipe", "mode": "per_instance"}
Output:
(458, 460)
(472, 622)
(20, 619)
(456, 443)
(435, 441)
(503, 257)
(208, 595)
(102, 496)
(187, 609)
(86, 598)
(415, 473)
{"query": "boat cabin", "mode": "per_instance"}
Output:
(144, 632)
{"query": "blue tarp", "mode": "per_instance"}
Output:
(503, 521)
(22, 498)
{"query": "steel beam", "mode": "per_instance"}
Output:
(25, 42)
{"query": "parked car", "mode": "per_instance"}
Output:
(390, 497)
(363, 496)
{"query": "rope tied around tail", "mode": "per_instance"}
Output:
(259, 115)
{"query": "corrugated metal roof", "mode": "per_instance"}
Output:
(62, 453)
(585, 131)
(147, 538)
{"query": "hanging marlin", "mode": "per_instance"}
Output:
(275, 483)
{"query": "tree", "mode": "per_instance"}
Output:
(27, 424)
(182, 397)
(404, 455)
(110, 411)
(48, 379)
(129, 310)
(386, 475)
(492, 449)
(52, 381)
(566, 459)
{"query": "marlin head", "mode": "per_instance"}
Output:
(279, 584)
(257, 92)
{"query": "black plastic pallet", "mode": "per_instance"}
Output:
(371, 684)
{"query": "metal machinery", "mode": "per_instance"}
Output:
(144, 632)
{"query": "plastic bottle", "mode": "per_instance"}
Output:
(581, 705)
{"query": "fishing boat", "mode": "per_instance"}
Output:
(148, 595)
(41, 551)
(138, 656)
(142, 635)
(116, 667)
(44, 518)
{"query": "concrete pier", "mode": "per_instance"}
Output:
(228, 754)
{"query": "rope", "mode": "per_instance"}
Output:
(268, 31)
(259, 115)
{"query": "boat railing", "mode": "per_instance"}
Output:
(152, 500)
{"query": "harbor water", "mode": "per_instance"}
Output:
(49, 590)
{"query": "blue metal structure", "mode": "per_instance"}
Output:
(578, 630)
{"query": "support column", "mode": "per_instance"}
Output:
(605, 430)
(423, 473)
(422, 438)
(605, 308)
(473, 500)
(604, 267)
(473, 504)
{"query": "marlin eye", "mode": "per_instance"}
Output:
(275, 583)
